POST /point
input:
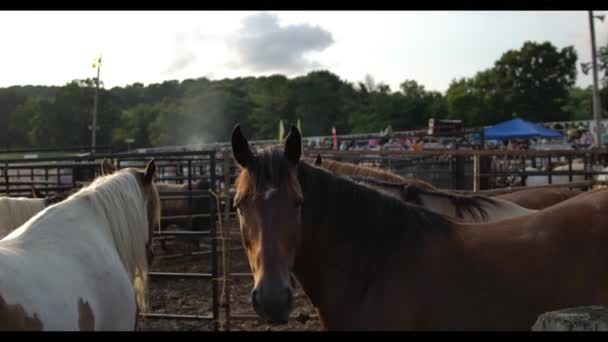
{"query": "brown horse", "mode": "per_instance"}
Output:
(539, 198)
(466, 208)
(368, 261)
(350, 169)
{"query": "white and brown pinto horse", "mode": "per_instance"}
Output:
(82, 264)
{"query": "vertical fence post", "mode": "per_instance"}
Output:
(227, 266)
(6, 180)
(550, 166)
(585, 163)
(214, 237)
(570, 168)
(476, 169)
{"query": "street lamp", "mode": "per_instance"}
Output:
(597, 107)
(93, 127)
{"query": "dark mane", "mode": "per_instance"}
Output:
(361, 213)
(412, 193)
(471, 204)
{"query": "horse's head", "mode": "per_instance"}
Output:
(268, 201)
(151, 197)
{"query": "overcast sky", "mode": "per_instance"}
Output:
(432, 47)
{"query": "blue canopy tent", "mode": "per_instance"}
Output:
(519, 129)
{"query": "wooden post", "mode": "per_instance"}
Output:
(476, 172)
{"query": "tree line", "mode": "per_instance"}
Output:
(535, 82)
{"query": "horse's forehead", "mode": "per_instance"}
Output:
(14, 317)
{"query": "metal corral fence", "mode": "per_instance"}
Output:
(480, 169)
(460, 170)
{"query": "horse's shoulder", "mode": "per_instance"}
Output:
(15, 317)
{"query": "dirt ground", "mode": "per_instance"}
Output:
(194, 296)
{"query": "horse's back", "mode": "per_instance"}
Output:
(46, 284)
(538, 199)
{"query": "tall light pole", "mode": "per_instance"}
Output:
(96, 64)
(597, 106)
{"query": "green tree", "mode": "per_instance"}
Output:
(535, 80)
(315, 98)
(20, 123)
(580, 104)
(270, 100)
(9, 101)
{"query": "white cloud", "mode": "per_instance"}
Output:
(262, 45)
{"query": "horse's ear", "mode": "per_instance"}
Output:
(150, 172)
(293, 146)
(318, 161)
(240, 147)
(107, 168)
(36, 193)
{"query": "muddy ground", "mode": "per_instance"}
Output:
(194, 296)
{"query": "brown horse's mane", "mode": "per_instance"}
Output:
(412, 193)
(350, 169)
(471, 204)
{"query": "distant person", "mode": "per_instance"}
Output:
(417, 146)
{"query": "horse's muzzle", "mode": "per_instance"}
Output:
(273, 304)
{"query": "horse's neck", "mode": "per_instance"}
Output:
(335, 260)
(327, 273)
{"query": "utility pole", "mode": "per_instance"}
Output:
(97, 64)
(597, 107)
